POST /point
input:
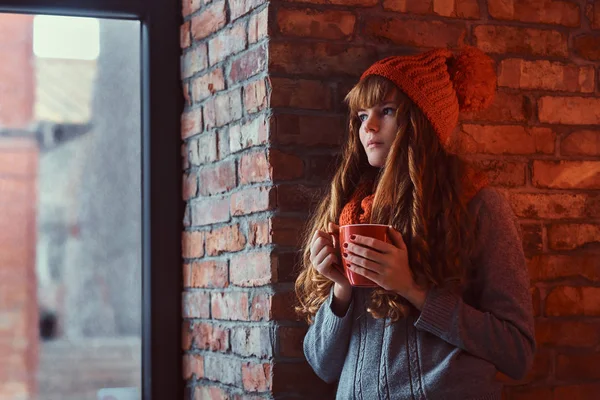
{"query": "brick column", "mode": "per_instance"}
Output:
(18, 203)
(264, 84)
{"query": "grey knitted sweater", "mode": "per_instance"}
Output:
(454, 346)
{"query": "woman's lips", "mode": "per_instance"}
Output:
(374, 144)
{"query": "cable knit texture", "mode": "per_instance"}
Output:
(441, 84)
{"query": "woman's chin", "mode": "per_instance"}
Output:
(376, 163)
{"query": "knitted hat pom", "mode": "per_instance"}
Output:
(474, 78)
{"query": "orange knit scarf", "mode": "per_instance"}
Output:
(358, 209)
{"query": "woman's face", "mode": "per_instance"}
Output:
(378, 129)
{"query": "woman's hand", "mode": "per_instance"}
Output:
(386, 264)
(323, 256)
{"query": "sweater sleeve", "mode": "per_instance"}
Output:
(326, 342)
(500, 330)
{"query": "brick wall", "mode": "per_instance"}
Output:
(262, 124)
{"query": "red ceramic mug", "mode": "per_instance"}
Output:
(376, 231)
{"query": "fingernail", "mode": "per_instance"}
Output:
(345, 245)
(353, 237)
(345, 255)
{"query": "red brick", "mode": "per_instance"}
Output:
(225, 239)
(329, 24)
(205, 274)
(210, 392)
(229, 306)
(217, 178)
(252, 341)
(530, 393)
(196, 305)
(566, 174)
(223, 369)
(253, 200)
(569, 110)
(256, 377)
(536, 301)
(570, 236)
(185, 39)
(532, 238)
(509, 39)
(300, 378)
(588, 391)
(248, 64)
(507, 107)
(191, 123)
(506, 139)
(190, 6)
(291, 340)
(260, 309)
(210, 337)
(255, 96)
(249, 134)
(223, 143)
(259, 232)
(319, 58)
(285, 166)
(190, 186)
(242, 7)
(445, 8)
(192, 244)
(294, 197)
(578, 366)
(548, 267)
(185, 88)
(407, 32)
(537, 11)
(546, 75)
(300, 93)
(228, 107)
(320, 168)
(593, 12)
(587, 46)
(253, 269)
(185, 162)
(350, 3)
(227, 42)
(286, 231)
(581, 143)
(572, 301)
(549, 206)
(293, 129)
(209, 20)
(254, 167)
(209, 112)
(258, 26)
(186, 335)
(567, 333)
(208, 84)
(203, 149)
(209, 211)
(193, 365)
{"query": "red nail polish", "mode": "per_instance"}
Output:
(345, 245)
(345, 255)
(353, 237)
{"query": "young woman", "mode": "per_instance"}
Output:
(453, 305)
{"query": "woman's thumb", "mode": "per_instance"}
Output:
(333, 227)
(396, 237)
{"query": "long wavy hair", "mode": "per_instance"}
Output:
(418, 191)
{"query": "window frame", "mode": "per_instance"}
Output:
(161, 171)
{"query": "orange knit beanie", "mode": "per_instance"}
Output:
(441, 83)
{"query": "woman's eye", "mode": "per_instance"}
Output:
(389, 111)
(362, 117)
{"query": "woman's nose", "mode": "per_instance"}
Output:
(372, 123)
